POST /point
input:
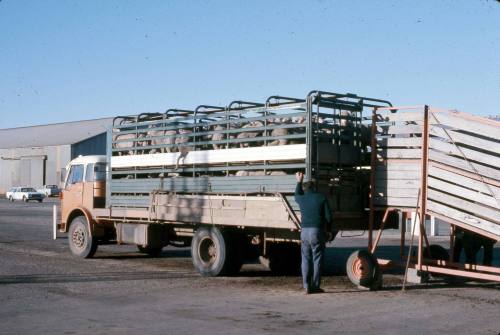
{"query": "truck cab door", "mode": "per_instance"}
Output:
(72, 194)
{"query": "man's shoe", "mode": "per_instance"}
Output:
(318, 290)
(307, 291)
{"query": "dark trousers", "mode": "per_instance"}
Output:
(313, 249)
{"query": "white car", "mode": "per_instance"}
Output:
(49, 190)
(24, 194)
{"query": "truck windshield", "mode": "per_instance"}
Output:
(75, 174)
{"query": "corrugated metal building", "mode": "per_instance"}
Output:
(37, 155)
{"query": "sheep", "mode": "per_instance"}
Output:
(279, 132)
(183, 138)
(249, 134)
(245, 173)
(125, 144)
(219, 136)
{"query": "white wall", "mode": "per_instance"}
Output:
(25, 166)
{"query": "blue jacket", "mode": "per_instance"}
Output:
(314, 209)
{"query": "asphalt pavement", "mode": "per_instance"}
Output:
(45, 290)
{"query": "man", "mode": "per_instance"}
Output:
(316, 220)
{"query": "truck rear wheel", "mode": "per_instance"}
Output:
(211, 252)
(81, 242)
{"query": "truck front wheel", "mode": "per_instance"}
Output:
(81, 242)
(210, 250)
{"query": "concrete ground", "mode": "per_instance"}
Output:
(45, 290)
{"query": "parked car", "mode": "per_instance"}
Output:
(24, 194)
(49, 190)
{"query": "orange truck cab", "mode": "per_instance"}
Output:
(84, 190)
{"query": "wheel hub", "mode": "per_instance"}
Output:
(360, 267)
(78, 238)
(208, 250)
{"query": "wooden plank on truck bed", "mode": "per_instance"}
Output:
(463, 164)
(397, 192)
(462, 192)
(467, 122)
(275, 153)
(469, 139)
(470, 154)
(490, 214)
(475, 182)
(401, 116)
(399, 165)
(384, 174)
(466, 218)
(399, 142)
(399, 153)
(383, 184)
(395, 201)
(399, 129)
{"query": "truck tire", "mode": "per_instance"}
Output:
(363, 270)
(25, 199)
(149, 250)
(11, 199)
(211, 252)
(81, 241)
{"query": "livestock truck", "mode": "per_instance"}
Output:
(221, 179)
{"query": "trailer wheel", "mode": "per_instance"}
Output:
(211, 252)
(81, 242)
(363, 270)
(150, 251)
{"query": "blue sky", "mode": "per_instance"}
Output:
(73, 60)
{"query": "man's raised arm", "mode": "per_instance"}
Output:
(298, 189)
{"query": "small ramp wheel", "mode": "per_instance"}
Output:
(363, 270)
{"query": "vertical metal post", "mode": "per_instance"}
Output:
(54, 222)
(404, 217)
(423, 194)
(194, 141)
(373, 162)
(109, 156)
(308, 122)
(452, 243)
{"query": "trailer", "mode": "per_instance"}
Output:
(433, 162)
(221, 179)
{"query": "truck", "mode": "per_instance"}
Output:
(221, 179)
